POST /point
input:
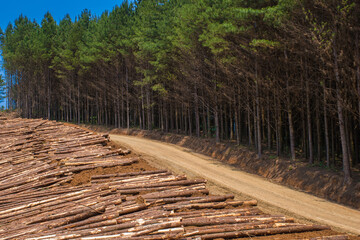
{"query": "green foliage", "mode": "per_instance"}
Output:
(264, 43)
(281, 12)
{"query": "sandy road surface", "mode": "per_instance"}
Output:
(270, 194)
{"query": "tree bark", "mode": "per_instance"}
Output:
(318, 134)
(176, 119)
(49, 95)
(311, 156)
(208, 121)
(326, 130)
(291, 125)
(78, 102)
(204, 128)
(358, 91)
(268, 122)
(142, 108)
(249, 117)
(127, 99)
(221, 114)
(217, 130)
(148, 108)
(339, 102)
(197, 117)
(358, 70)
(278, 125)
(237, 125)
(231, 123)
(190, 120)
(258, 123)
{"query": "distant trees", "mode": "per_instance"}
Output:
(282, 74)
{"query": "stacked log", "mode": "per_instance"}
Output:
(39, 158)
(337, 237)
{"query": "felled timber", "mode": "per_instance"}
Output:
(335, 237)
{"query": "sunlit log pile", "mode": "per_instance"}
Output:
(39, 158)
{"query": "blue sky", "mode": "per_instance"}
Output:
(36, 9)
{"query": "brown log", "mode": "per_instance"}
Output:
(88, 213)
(336, 237)
(266, 231)
(210, 205)
(112, 164)
(223, 228)
(61, 214)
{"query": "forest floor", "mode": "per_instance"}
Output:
(226, 179)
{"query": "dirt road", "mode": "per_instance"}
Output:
(270, 195)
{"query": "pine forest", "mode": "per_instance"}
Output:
(278, 75)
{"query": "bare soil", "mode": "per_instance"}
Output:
(84, 177)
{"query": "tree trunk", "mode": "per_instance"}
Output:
(78, 102)
(254, 121)
(291, 132)
(311, 157)
(339, 102)
(231, 124)
(291, 126)
(197, 117)
(204, 128)
(142, 109)
(357, 136)
(237, 125)
(49, 95)
(127, 99)
(208, 121)
(106, 108)
(176, 119)
(221, 113)
(190, 120)
(358, 70)
(268, 122)
(318, 134)
(257, 80)
(118, 108)
(332, 141)
(326, 130)
(148, 108)
(249, 118)
(184, 118)
(161, 113)
(152, 109)
(216, 113)
(122, 105)
(166, 117)
(278, 125)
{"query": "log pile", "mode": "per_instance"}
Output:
(38, 159)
